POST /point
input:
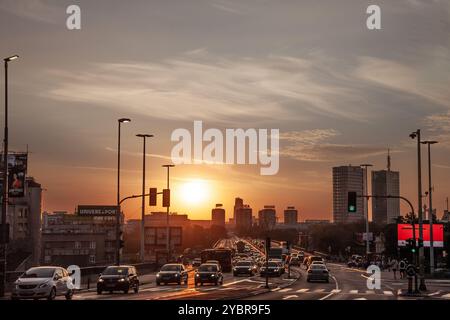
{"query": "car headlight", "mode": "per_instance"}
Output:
(101, 280)
(177, 275)
(158, 275)
(249, 269)
(234, 269)
(213, 275)
(276, 270)
(197, 275)
(122, 280)
(43, 285)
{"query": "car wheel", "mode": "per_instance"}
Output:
(99, 291)
(126, 290)
(136, 288)
(158, 283)
(69, 295)
(179, 282)
(216, 282)
(52, 294)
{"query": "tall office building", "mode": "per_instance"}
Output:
(244, 218)
(290, 216)
(346, 179)
(238, 203)
(384, 183)
(267, 217)
(218, 216)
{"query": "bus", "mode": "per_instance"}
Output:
(221, 255)
(240, 246)
(276, 253)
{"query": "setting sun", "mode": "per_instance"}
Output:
(195, 191)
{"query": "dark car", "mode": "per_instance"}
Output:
(208, 273)
(318, 272)
(294, 261)
(273, 269)
(244, 267)
(118, 278)
(172, 272)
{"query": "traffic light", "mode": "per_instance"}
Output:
(153, 197)
(351, 201)
(411, 245)
(166, 198)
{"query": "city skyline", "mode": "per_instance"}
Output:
(338, 92)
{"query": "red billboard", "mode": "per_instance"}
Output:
(405, 232)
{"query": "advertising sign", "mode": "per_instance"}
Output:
(17, 170)
(405, 232)
(97, 210)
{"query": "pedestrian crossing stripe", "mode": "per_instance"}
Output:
(276, 289)
(446, 296)
(353, 291)
(336, 291)
(388, 293)
(302, 290)
(319, 290)
(290, 297)
(286, 290)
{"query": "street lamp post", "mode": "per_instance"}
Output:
(168, 166)
(142, 248)
(4, 234)
(416, 135)
(120, 121)
(366, 206)
(430, 204)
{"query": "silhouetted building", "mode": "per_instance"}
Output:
(218, 216)
(290, 216)
(244, 218)
(347, 179)
(238, 204)
(267, 217)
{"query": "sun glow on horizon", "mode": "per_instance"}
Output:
(195, 192)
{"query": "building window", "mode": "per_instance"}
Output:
(92, 245)
(77, 245)
(91, 259)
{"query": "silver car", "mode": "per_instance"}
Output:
(318, 272)
(43, 282)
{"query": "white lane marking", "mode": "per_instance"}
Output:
(290, 297)
(276, 289)
(353, 291)
(446, 296)
(319, 290)
(388, 293)
(370, 292)
(286, 290)
(360, 299)
(336, 291)
(302, 290)
(434, 293)
(330, 294)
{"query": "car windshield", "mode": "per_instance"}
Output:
(39, 273)
(115, 271)
(171, 267)
(208, 268)
(273, 264)
(244, 264)
(318, 267)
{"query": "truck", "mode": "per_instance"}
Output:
(240, 246)
(222, 255)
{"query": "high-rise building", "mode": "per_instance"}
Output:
(244, 218)
(218, 216)
(384, 183)
(267, 217)
(290, 216)
(238, 203)
(347, 179)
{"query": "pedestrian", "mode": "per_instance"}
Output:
(394, 264)
(402, 267)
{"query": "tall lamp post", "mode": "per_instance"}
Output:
(416, 135)
(142, 248)
(168, 166)
(430, 204)
(4, 233)
(366, 206)
(120, 121)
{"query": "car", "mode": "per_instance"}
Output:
(172, 272)
(318, 272)
(317, 262)
(244, 267)
(313, 258)
(213, 261)
(197, 262)
(208, 273)
(294, 261)
(43, 282)
(294, 255)
(118, 278)
(273, 269)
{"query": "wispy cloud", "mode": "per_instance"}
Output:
(36, 10)
(199, 85)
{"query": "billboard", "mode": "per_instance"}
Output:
(17, 171)
(157, 236)
(405, 232)
(94, 211)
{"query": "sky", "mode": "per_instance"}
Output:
(339, 94)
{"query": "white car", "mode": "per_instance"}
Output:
(43, 282)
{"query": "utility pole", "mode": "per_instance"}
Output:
(168, 166)
(366, 206)
(416, 135)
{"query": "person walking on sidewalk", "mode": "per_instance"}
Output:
(394, 264)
